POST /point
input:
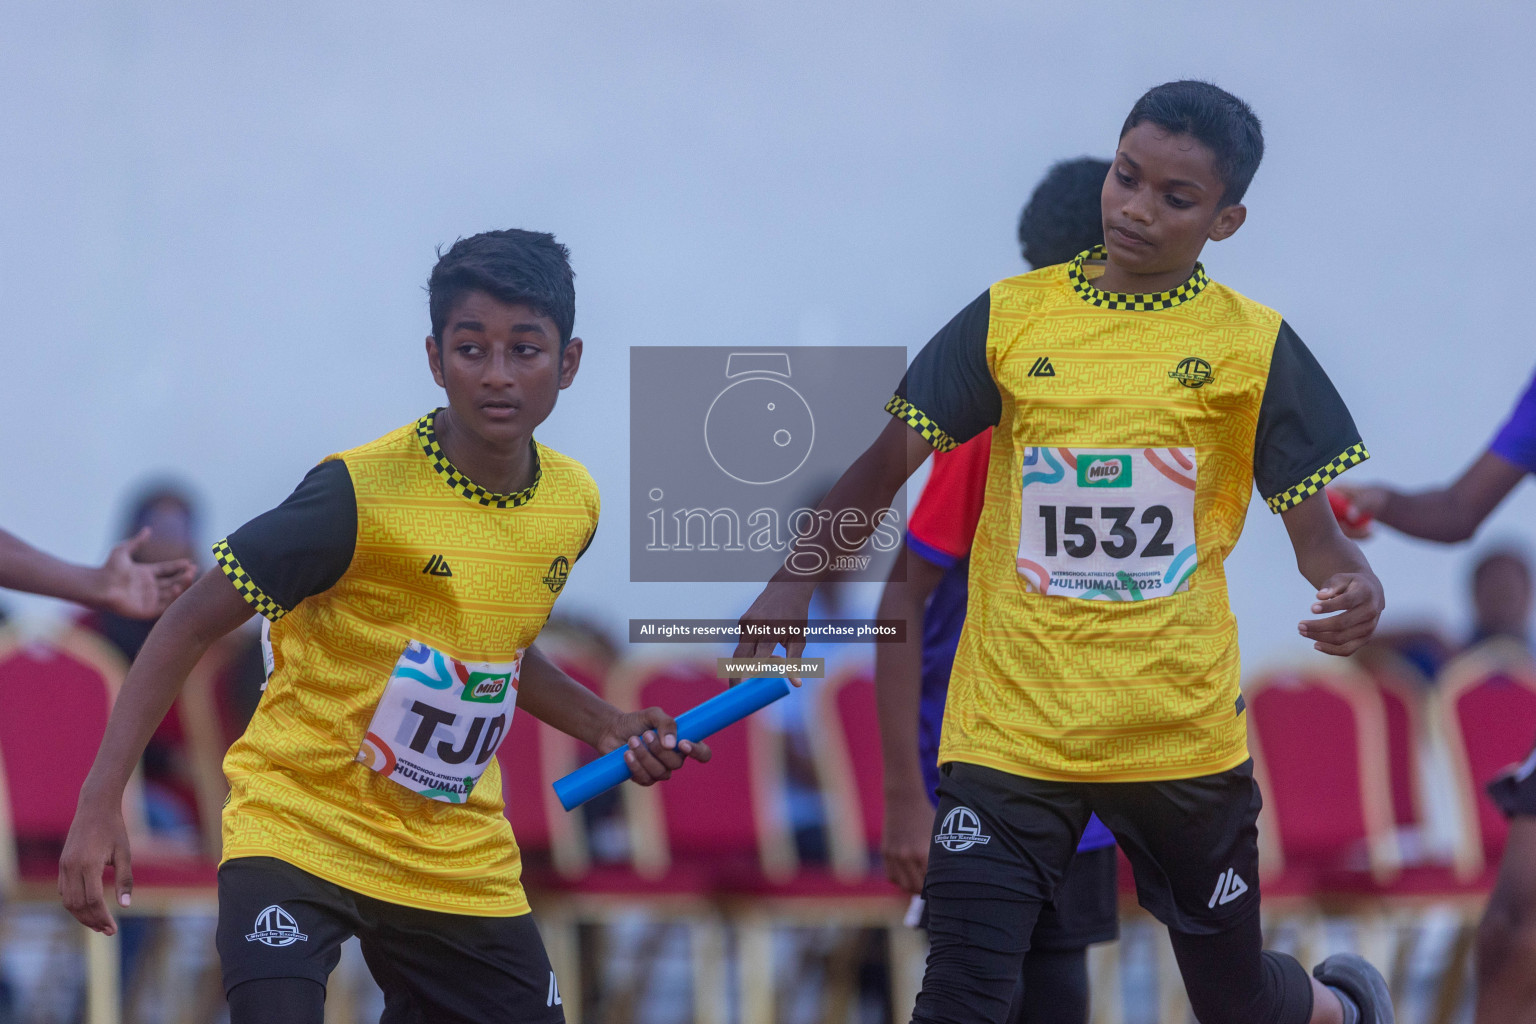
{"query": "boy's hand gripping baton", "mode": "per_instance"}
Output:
(708, 718)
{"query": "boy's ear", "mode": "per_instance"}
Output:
(435, 360)
(1228, 221)
(570, 362)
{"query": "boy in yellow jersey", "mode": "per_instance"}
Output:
(403, 582)
(1134, 405)
(1060, 221)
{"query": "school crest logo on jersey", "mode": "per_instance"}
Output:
(1193, 372)
(559, 569)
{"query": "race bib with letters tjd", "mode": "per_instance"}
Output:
(1108, 524)
(440, 721)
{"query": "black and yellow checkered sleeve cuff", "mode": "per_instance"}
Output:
(231, 567)
(1293, 496)
(915, 418)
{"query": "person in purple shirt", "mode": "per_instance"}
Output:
(1506, 938)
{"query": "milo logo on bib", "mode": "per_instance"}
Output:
(486, 688)
(1104, 471)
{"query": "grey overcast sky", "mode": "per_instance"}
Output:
(217, 221)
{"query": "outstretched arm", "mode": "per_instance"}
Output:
(1348, 592)
(868, 486)
(898, 687)
(1446, 514)
(554, 698)
(98, 836)
(132, 589)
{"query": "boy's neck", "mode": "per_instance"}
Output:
(1117, 279)
(501, 468)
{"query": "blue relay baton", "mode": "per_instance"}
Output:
(708, 718)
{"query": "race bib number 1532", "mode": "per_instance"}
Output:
(1108, 524)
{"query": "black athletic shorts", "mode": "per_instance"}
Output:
(1515, 790)
(276, 921)
(1192, 843)
(1086, 908)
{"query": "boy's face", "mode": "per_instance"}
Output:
(1162, 201)
(501, 366)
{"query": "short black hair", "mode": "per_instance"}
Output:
(149, 496)
(1063, 215)
(524, 267)
(1215, 118)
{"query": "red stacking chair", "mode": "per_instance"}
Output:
(208, 731)
(846, 737)
(552, 843)
(1485, 711)
(709, 831)
(1319, 742)
(530, 759)
(57, 698)
(1403, 691)
(720, 826)
(852, 890)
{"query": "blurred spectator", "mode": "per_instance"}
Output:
(1506, 937)
(581, 646)
(804, 809)
(1501, 596)
(239, 686)
(1424, 646)
(806, 813)
(1500, 586)
(585, 651)
(168, 511)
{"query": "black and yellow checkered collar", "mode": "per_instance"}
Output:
(1125, 300)
(463, 485)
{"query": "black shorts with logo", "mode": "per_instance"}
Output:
(276, 921)
(1192, 843)
(1515, 789)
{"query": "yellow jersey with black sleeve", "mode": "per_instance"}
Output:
(400, 598)
(1130, 430)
